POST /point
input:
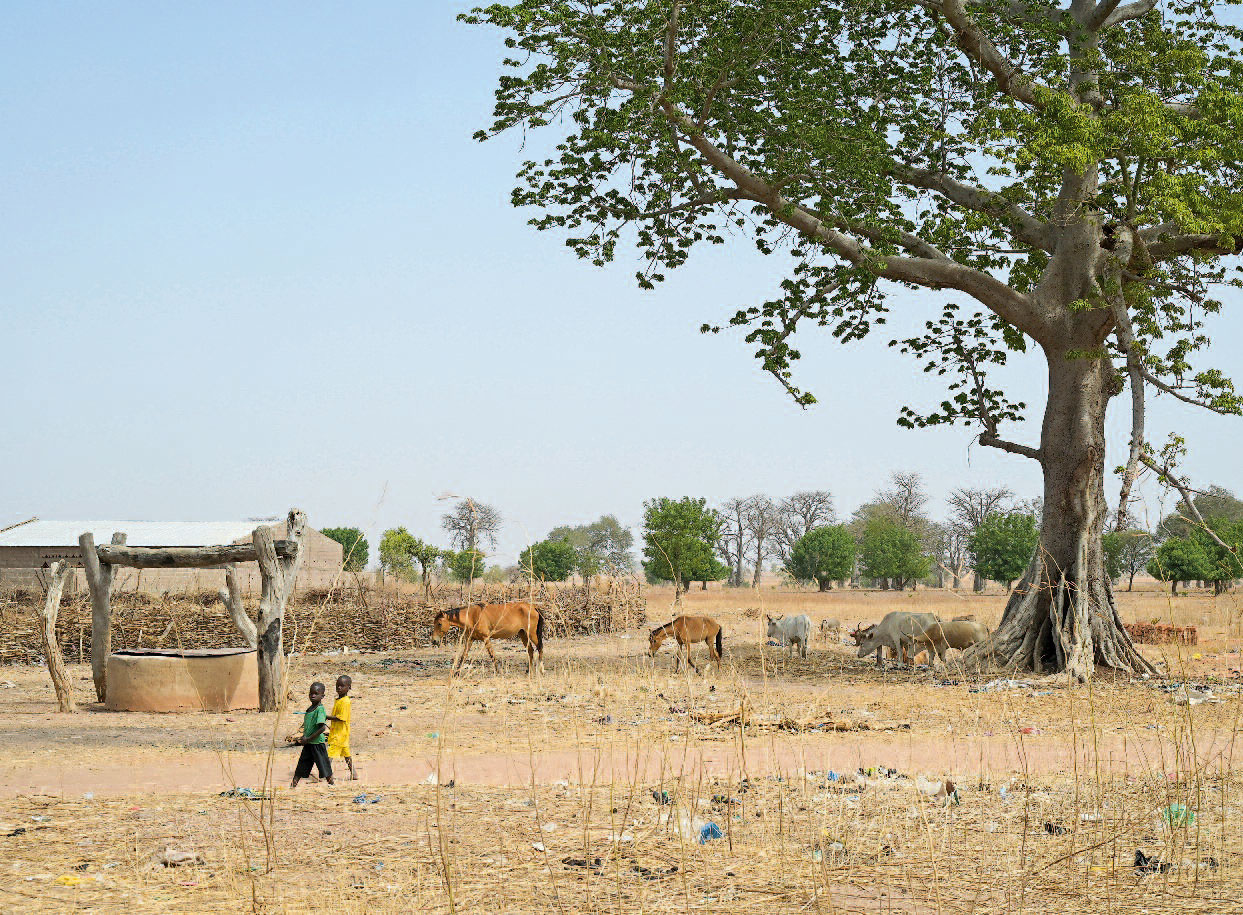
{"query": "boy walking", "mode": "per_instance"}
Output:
(339, 725)
(314, 727)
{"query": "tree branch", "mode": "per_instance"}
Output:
(1186, 244)
(1027, 227)
(1014, 307)
(1166, 474)
(976, 45)
(1124, 245)
(1100, 15)
(991, 440)
(1119, 14)
(1185, 398)
(717, 196)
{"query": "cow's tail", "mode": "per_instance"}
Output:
(539, 633)
(720, 643)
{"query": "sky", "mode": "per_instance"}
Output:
(251, 258)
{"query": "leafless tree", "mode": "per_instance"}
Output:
(471, 522)
(734, 540)
(798, 514)
(907, 498)
(969, 508)
(760, 522)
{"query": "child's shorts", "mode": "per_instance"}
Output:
(313, 753)
(339, 751)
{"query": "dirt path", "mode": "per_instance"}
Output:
(113, 773)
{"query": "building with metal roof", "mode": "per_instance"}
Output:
(29, 547)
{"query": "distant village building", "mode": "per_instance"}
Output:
(29, 548)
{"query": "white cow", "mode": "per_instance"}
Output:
(791, 631)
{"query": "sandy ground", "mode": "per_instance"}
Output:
(604, 725)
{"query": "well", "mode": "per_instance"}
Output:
(169, 680)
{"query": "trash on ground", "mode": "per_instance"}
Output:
(1055, 829)
(363, 799)
(248, 794)
(709, 831)
(1178, 815)
(175, 857)
(1150, 865)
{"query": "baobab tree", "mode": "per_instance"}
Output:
(1066, 173)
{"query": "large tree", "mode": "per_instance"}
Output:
(601, 547)
(968, 509)
(1066, 171)
(470, 524)
(823, 555)
(799, 514)
(678, 540)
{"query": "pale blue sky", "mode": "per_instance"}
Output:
(250, 257)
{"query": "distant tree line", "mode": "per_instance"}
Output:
(888, 542)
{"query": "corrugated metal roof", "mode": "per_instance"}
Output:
(139, 533)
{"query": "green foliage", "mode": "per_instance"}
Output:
(1126, 553)
(465, 565)
(1004, 544)
(893, 146)
(1224, 563)
(678, 539)
(397, 550)
(549, 560)
(1214, 504)
(601, 547)
(823, 555)
(890, 551)
(354, 547)
(1180, 559)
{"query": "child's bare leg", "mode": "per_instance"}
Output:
(349, 761)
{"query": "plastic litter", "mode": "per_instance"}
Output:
(663, 798)
(68, 880)
(175, 857)
(248, 794)
(1030, 731)
(363, 799)
(708, 832)
(1178, 815)
(1150, 865)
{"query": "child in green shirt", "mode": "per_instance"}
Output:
(314, 750)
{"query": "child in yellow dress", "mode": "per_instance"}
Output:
(339, 725)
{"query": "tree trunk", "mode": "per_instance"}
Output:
(826, 585)
(1130, 585)
(704, 585)
(1062, 616)
(978, 584)
(1174, 588)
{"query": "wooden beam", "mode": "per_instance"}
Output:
(188, 557)
(57, 573)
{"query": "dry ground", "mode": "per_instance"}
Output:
(499, 793)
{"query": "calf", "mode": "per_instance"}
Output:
(897, 632)
(791, 631)
(830, 627)
(956, 634)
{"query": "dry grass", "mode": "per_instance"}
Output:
(564, 766)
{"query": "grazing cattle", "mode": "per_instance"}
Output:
(897, 632)
(831, 628)
(690, 630)
(485, 622)
(791, 631)
(958, 634)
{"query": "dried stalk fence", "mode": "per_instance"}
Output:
(380, 619)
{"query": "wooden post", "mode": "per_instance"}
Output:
(99, 582)
(57, 574)
(231, 597)
(277, 576)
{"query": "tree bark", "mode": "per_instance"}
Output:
(277, 576)
(826, 585)
(1062, 616)
(99, 583)
(231, 597)
(57, 574)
